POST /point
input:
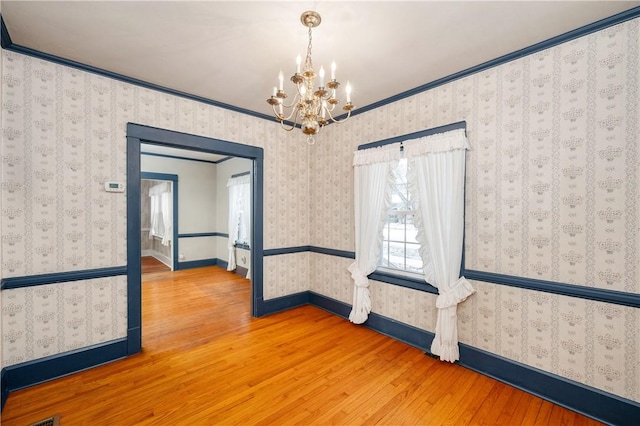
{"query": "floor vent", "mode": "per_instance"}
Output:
(49, 421)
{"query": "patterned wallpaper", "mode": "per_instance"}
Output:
(552, 193)
(557, 138)
(287, 274)
(50, 319)
(63, 136)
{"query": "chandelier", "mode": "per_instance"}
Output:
(312, 106)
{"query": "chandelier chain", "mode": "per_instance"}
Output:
(307, 61)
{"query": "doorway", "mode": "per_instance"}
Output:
(139, 134)
(158, 220)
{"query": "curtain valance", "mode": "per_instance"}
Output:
(379, 154)
(159, 189)
(239, 180)
(439, 142)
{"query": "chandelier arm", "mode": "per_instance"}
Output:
(331, 107)
(294, 101)
(339, 121)
(288, 129)
(293, 111)
(281, 118)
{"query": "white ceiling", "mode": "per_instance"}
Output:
(231, 51)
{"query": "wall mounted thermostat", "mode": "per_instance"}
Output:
(113, 187)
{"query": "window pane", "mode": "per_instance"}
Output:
(411, 229)
(400, 249)
(399, 199)
(396, 255)
(414, 261)
(397, 229)
(384, 254)
(396, 201)
(401, 171)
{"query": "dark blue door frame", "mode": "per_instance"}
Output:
(138, 134)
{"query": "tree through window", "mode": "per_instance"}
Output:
(400, 249)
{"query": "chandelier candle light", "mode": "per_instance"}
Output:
(312, 106)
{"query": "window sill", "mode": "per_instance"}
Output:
(402, 281)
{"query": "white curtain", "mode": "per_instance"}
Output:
(239, 208)
(166, 205)
(244, 234)
(161, 212)
(372, 191)
(436, 180)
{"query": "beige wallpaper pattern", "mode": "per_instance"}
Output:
(63, 136)
(552, 193)
(287, 274)
(50, 319)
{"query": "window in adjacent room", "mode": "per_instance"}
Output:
(239, 209)
(161, 212)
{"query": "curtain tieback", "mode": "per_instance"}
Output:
(454, 295)
(359, 277)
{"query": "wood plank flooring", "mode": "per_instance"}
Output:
(151, 264)
(206, 362)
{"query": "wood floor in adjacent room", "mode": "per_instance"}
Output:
(151, 264)
(206, 362)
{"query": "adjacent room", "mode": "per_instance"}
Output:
(421, 212)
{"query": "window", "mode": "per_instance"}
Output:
(394, 255)
(239, 209)
(400, 251)
(161, 212)
(239, 215)
(244, 218)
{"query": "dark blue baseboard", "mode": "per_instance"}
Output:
(203, 234)
(586, 400)
(241, 271)
(283, 303)
(31, 373)
(330, 305)
(595, 403)
(199, 263)
(204, 262)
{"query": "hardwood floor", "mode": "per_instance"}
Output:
(151, 264)
(206, 361)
